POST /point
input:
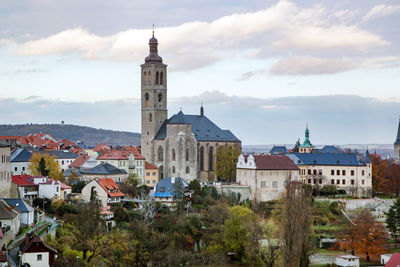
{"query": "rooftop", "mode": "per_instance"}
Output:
(333, 159)
(103, 169)
(111, 187)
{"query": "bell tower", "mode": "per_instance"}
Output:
(153, 98)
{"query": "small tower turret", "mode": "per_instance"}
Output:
(397, 144)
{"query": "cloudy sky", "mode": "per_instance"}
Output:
(263, 69)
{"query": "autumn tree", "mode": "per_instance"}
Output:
(296, 211)
(227, 157)
(44, 164)
(393, 221)
(347, 235)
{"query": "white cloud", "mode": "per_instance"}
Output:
(275, 29)
(306, 65)
(381, 11)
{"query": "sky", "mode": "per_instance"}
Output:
(262, 69)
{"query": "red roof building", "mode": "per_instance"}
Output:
(107, 191)
(394, 261)
(79, 161)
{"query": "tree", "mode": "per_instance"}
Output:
(77, 188)
(296, 241)
(393, 221)
(227, 157)
(46, 165)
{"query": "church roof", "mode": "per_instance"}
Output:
(397, 142)
(332, 159)
(203, 128)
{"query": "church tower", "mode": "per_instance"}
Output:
(397, 144)
(154, 98)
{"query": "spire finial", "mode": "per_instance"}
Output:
(201, 109)
(153, 29)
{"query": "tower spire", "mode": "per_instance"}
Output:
(153, 57)
(201, 109)
(153, 29)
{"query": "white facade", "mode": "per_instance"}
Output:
(5, 172)
(36, 259)
(64, 163)
(131, 165)
(347, 261)
(101, 193)
(20, 168)
(50, 190)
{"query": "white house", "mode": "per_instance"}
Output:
(10, 221)
(267, 175)
(19, 161)
(107, 191)
(36, 253)
(347, 261)
(31, 187)
(25, 210)
(63, 158)
(50, 189)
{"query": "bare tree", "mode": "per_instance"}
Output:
(148, 208)
(295, 226)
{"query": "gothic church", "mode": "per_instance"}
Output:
(183, 145)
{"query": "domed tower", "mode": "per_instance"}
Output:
(154, 98)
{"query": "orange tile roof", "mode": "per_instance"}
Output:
(101, 148)
(79, 161)
(111, 187)
(149, 166)
(136, 151)
(114, 154)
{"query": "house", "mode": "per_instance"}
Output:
(151, 174)
(394, 260)
(10, 221)
(65, 191)
(42, 141)
(35, 253)
(31, 187)
(108, 217)
(385, 258)
(167, 188)
(90, 163)
(63, 158)
(107, 191)
(266, 175)
(104, 170)
(79, 161)
(20, 160)
(347, 261)
(5, 169)
(131, 162)
(24, 209)
(27, 187)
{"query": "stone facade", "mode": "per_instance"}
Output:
(397, 145)
(173, 145)
(5, 171)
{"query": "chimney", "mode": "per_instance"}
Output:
(201, 110)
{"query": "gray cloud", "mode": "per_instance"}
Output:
(334, 119)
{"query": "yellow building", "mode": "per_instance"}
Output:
(151, 174)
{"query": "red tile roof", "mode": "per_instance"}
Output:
(115, 155)
(111, 187)
(101, 148)
(149, 166)
(22, 180)
(135, 150)
(394, 261)
(273, 162)
(64, 186)
(79, 161)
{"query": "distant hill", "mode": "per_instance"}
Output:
(87, 135)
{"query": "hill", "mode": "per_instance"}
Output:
(88, 135)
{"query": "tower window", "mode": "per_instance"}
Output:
(162, 78)
(210, 158)
(147, 99)
(150, 117)
(160, 153)
(145, 78)
(173, 169)
(149, 78)
(160, 96)
(202, 158)
(157, 77)
(173, 154)
(187, 154)
(187, 170)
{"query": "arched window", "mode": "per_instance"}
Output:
(201, 158)
(150, 117)
(187, 170)
(145, 78)
(210, 158)
(157, 77)
(173, 169)
(187, 154)
(159, 97)
(173, 154)
(149, 78)
(161, 172)
(147, 99)
(160, 153)
(162, 78)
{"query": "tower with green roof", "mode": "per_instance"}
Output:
(306, 147)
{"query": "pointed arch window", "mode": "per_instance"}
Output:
(173, 154)
(147, 99)
(187, 154)
(150, 117)
(187, 170)
(173, 169)
(160, 96)
(201, 158)
(149, 78)
(160, 153)
(157, 77)
(210, 158)
(162, 78)
(145, 78)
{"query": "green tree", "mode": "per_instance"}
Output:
(227, 157)
(42, 167)
(393, 221)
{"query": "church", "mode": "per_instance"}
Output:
(181, 146)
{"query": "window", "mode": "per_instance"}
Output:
(319, 172)
(362, 172)
(147, 181)
(150, 117)
(263, 184)
(352, 181)
(147, 173)
(162, 78)
(187, 170)
(275, 184)
(173, 169)
(39, 257)
(343, 181)
(337, 172)
(147, 99)
(320, 181)
(332, 172)
(338, 181)
(23, 168)
(309, 181)
(154, 181)
(210, 158)
(160, 153)
(309, 172)
(16, 168)
(315, 172)
(157, 77)
(154, 173)
(362, 181)
(315, 181)
(62, 162)
(160, 97)
(343, 172)
(149, 78)
(352, 172)
(333, 181)
(173, 154)
(187, 154)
